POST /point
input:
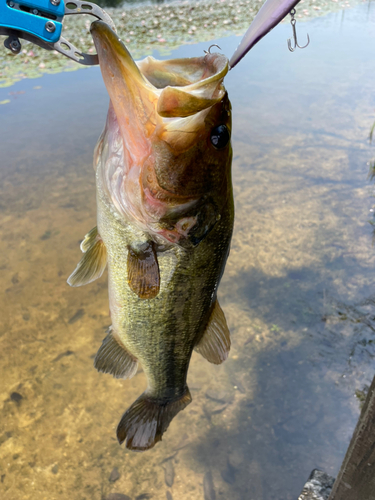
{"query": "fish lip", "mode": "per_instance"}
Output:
(106, 40)
(133, 98)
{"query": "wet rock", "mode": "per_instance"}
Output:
(55, 469)
(208, 487)
(169, 473)
(229, 473)
(169, 495)
(16, 397)
(117, 496)
(78, 315)
(318, 487)
(114, 475)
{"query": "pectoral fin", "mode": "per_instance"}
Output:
(93, 262)
(89, 240)
(143, 271)
(113, 357)
(215, 343)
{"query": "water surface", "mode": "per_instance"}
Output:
(298, 290)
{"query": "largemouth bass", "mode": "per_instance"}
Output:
(164, 225)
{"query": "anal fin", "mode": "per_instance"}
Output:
(113, 357)
(93, 262)
(215, 343)
(143, 271)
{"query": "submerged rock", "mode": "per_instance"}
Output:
(318, 487)
(16, 397)
(114, 475)
(117, 496)
(208, 487)
(169, 473)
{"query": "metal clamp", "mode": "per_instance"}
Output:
(40, 22)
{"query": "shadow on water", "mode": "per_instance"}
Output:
(292, 400)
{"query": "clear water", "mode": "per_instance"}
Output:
(298, 290)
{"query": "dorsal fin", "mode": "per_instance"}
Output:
(93, 262)
(215, 343)
(113, 357)
(143, 271)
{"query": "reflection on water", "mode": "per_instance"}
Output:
(298, 290)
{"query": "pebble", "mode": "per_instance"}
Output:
(114, 475)
(169, 495)
(78, 315)
(169, 473)
(62, 355)
(16, 397)
(229, 473)
(208, 487)
(117, 496)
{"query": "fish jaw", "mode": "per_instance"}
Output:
(132, 96)
(158, 164)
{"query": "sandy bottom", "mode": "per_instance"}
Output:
(297, 293)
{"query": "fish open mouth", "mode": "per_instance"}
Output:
(163, 113)
(150, 90)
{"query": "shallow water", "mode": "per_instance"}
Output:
(298, 290)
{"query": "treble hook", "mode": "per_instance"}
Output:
(293, 23)
(209, 48)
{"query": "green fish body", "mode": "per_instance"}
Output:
(164, 225)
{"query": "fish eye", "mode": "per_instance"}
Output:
(220, 136)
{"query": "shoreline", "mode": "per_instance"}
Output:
(146, 28)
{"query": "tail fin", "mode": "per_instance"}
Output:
(144, 423)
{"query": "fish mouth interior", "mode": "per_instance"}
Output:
(193, 72)
(148, 94)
